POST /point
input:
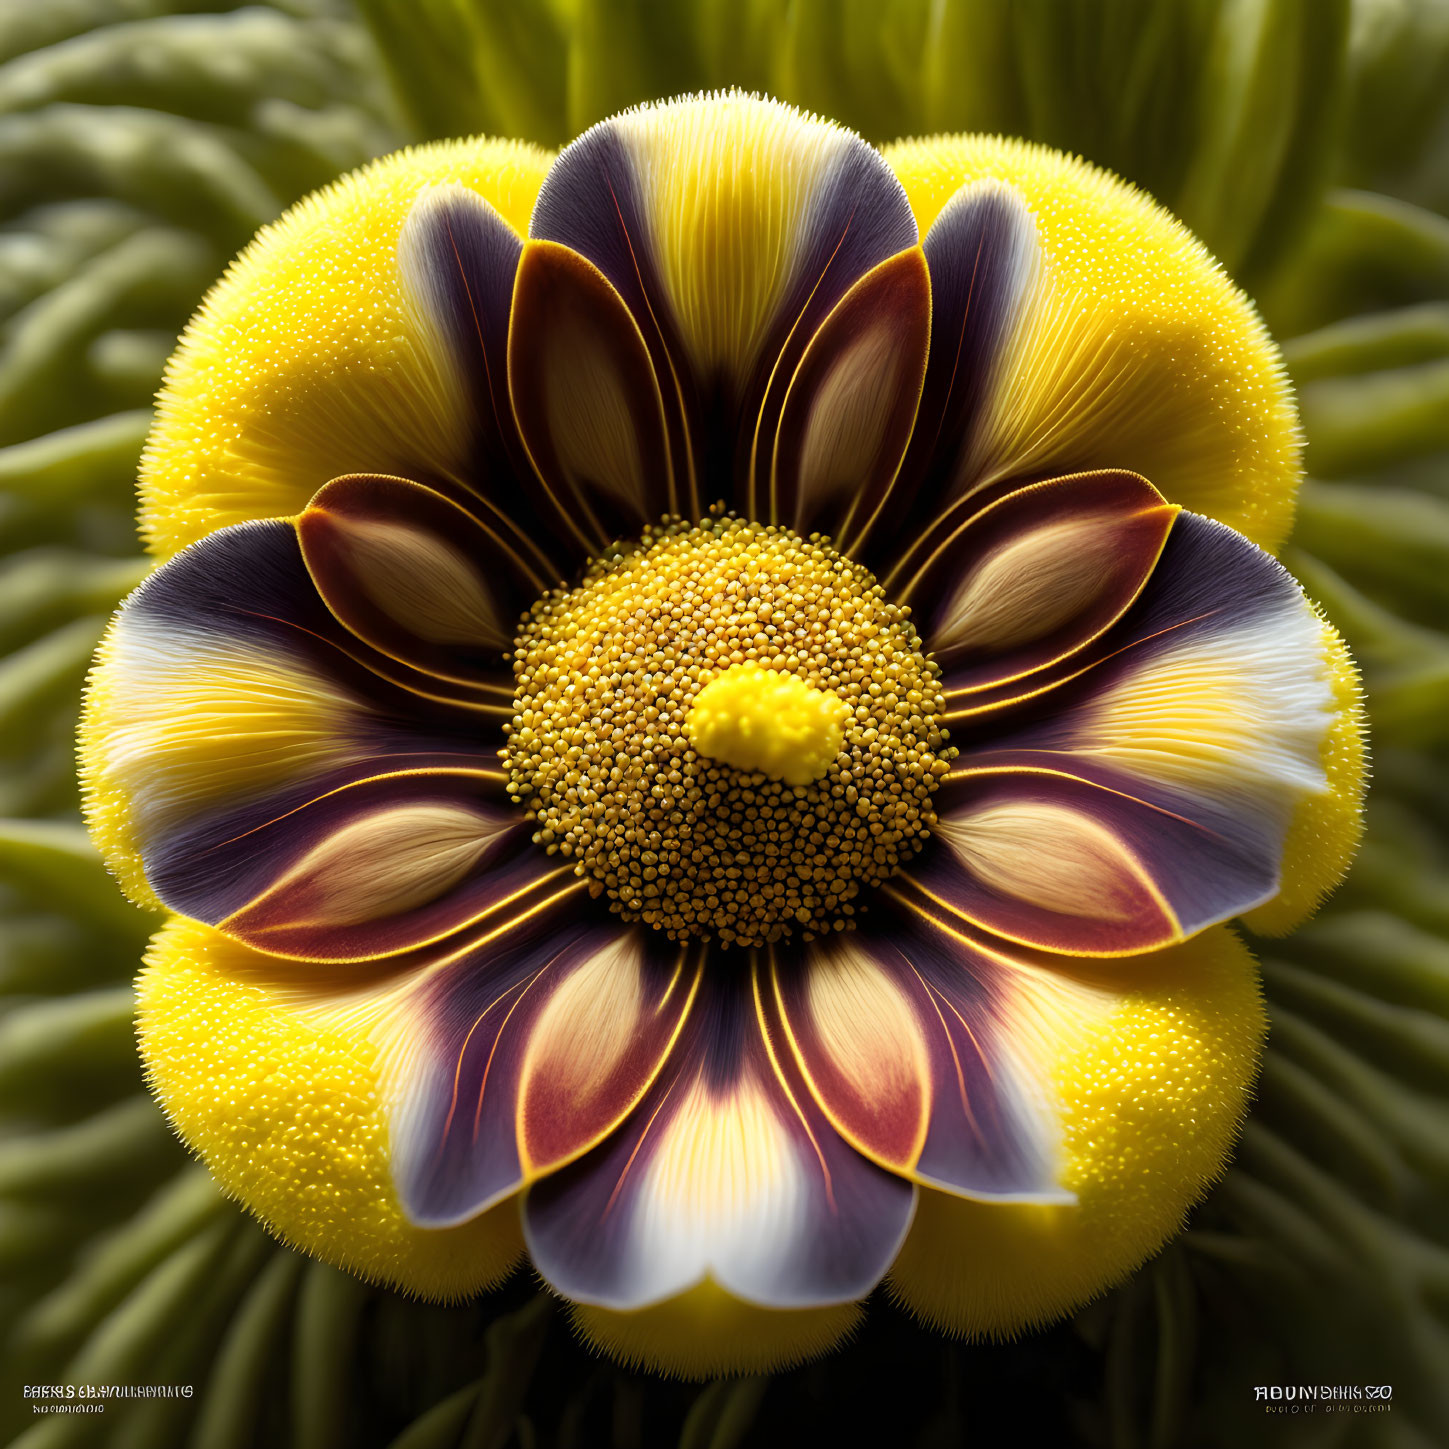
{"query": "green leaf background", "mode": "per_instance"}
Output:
(141, 144)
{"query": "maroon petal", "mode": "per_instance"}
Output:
(586, 397)
(852, 402)
(726, 1170)
(523, 1050)
(1034, 576)
(415, 575)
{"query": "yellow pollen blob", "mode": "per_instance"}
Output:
(757, 719)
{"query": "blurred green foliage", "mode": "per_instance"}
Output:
(143, 141)
(1228, 113)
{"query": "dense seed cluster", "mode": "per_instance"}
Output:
(598, 753)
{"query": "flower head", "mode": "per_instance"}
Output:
(708, 702)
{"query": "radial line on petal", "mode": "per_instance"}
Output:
(785, 1085)
(451, 701)
(1050, 684)
(774, 370)
(668, 357)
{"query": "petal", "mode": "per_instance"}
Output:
(1152, 1067)
(1194, 729)
(370, 869)
(414, 575)
(984, 256)
(459, 259)
(586, 397)
(911, 1041)
(727, 1171)
(848, 414)
(1035, 575)
(1128, 346)
(309, 360)
(224, 684)
(524, 1049)
(1325, 829)
(1062, 861)
(281, 1093)
(731, 226)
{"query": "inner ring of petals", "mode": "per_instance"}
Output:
(602, 749)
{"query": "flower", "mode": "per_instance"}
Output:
(676, 730)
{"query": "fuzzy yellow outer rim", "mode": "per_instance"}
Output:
(1326, 828)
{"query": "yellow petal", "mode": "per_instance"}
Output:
(1326, 827)
(173, 726)
(1133, 350)
(307, 361)
(1152, 1083)
(278, 1091)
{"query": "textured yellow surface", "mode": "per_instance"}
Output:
(282, 1100)
(1152, 1086)
(306, 362)
(110, 813)
(706, 1332)
(1190, 389)
(1326, 828)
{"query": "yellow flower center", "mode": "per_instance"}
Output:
(728, 729)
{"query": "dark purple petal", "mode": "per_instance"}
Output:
(229, 695)
(1066, 859)
(459, 259)
(983, 255)
(368, 870)
(246, 591)
(1181, 741)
